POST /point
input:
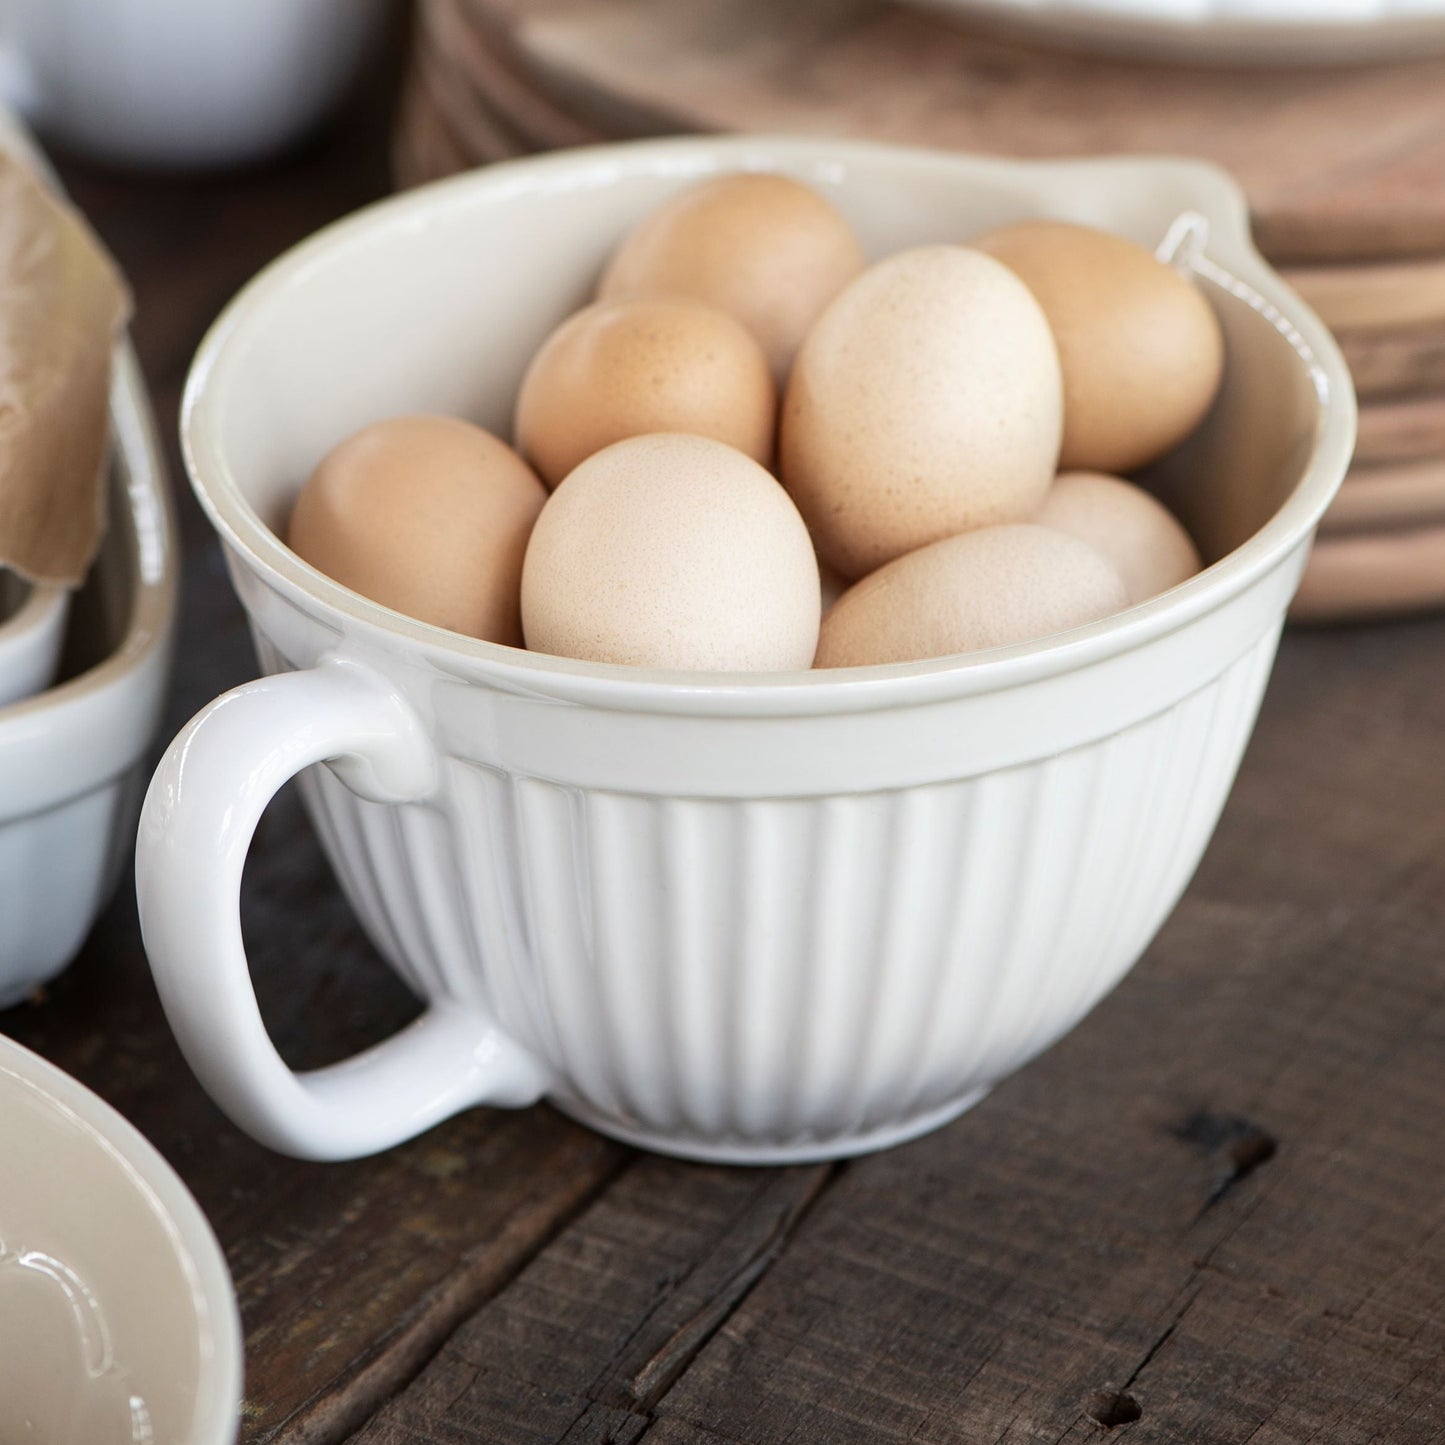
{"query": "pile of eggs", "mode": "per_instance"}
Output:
(947, 428)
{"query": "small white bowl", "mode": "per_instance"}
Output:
(32, 629)
(72, 759)
(118, 1321)
(206, 82)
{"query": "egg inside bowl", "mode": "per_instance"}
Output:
(741, 916)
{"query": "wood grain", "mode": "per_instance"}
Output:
(473, 125)
(1374, 574)
(593, 1334)
(423, 146)
(1397, 363)
(1390, 298)
(1340, 164)
(493, 80)
(1375, 499)
(1402, 429)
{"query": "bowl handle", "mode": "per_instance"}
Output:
(200, 814)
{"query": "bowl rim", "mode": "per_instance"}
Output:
(38, 608)
(1233, 258)
(222, 1364)
(32, 728)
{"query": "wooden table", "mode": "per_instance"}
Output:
(1215, 1212)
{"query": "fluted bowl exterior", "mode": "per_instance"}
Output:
(763, 919)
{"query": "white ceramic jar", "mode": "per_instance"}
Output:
(748, 918)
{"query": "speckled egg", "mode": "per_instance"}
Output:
(925, 402)
(985, 588)
(428, 515)
(1141, 349)
(1142, 538)
(766, 248)
(672, 551)
(619, 369)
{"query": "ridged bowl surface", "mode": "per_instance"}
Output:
(767, 917)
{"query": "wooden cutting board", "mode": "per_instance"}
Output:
(1389, 499)
(1382, 574)
(1403, 430)
(1399, 363)
(1340, 164)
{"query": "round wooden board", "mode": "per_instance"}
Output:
(496, 85)
(423, 149)
(1390, 297)
(1404, 430)
(1341, 164)
(1378, 499)
(1393, 364)
(1373, 575)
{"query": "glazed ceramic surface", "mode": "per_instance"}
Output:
(72, 759)
(32, 628)
(179, 82)
(753, 918)
(1218, 32)
(118, 1322)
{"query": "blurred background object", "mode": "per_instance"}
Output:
(182, 83)
(1344, 166)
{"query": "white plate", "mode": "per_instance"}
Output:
(118, 1319)
(1217, 32)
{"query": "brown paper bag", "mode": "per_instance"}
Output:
(62, 305)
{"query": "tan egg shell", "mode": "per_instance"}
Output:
(765, 248)
(627, 368)
(1149, 548)
(428, 515)
(676, 552)
(925, 402)
(1141, 349)
(986, 588)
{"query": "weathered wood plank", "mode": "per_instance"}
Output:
(595, 1331)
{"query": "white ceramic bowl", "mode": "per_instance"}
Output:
(72, 759)
(32, 628)
(180, 82)
(1217, 32)
(117, 1317)
(755, 918)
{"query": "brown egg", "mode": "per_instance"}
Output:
(985, 588)
(1141, 350)
(765, 248)
(427, 515)
(925, 402)
(672, 551)
(1135, 531)
(619, 369)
